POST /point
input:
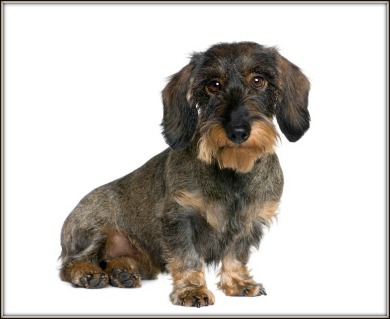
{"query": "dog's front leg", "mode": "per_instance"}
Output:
(236, 280)
(184, 263)
(189, 288)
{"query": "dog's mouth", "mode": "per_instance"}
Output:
(237, 152)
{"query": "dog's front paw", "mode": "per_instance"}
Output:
(192, 297)
(250, 289)
(123, 279)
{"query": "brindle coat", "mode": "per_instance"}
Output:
(205, 199)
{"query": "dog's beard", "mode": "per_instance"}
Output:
(214, 145)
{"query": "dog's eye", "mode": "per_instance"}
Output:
(214, 86)
(258, 82)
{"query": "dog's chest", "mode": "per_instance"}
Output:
(225, 221)
(233, 212)
(228, 204)
(225, 207)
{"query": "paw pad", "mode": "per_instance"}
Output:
(123, 279)
(192, 297)
(94, 281)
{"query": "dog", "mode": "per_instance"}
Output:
(206, 199)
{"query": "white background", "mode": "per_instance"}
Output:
(83, 107)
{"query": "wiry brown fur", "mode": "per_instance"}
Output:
(215, 145)
(208, 197)
(189, 287)
(236, 281)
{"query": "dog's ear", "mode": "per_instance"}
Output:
(180, 114)
(292, 114)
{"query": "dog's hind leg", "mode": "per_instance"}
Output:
(125, 262)
(84, 274)
(80, 265)
(107, 257)
(123, 272)
(96, 251)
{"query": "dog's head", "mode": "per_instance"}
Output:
(225, 100)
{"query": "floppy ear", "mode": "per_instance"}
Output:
(180, 115)
(292, 114)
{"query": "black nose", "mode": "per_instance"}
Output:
(238, 134)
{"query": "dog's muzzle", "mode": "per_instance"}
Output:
(238, 133)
